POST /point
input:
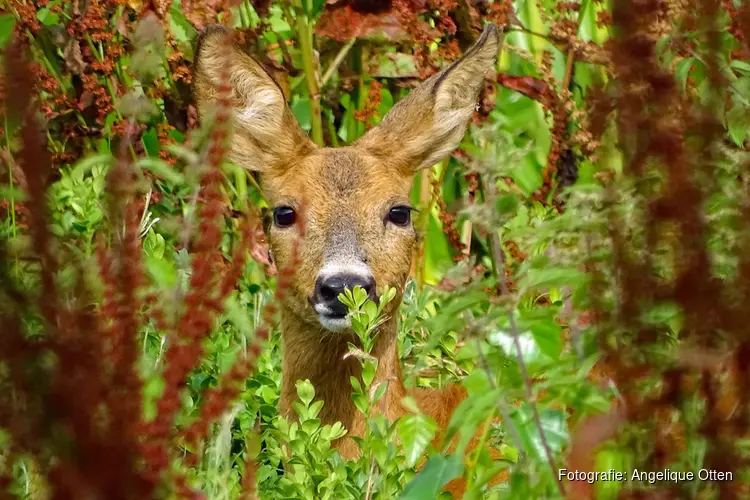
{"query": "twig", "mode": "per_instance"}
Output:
(501, 406)
(552, 42)
(337, 61)
(368, 493)
(498, 261)
(568, 69)
(466, 237)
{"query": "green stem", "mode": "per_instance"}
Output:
(10, 179)
(93, 48)
(244, 15)
(337, 60)
(305, 31)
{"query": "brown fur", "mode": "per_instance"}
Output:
(346, 194)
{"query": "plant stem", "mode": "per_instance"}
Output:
(337, 61)
(10, 181)
(501, 406)
(368, 493)
(498, 263)
(305, 31)
(568, 69)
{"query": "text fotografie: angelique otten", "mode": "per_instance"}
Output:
(651, 477)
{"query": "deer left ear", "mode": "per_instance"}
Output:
(428, 124)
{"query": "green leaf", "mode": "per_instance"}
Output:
(302, 110)
(438, 257)
(509, 453)
(162, 169)
(553, 276)
(152, 391)
(154, 245)
(380, 391)
(183, 31)
(416, 433)
(315, 408)
(738, 124)
(162, 271)
(311, 425)
(544, 329)
(368, 373)
(237, 315)
(86, 164)
(313, 8)
(554, 425)
(506, 203)
(305, 391)
(46, 17)
(151, 142)
(359, 295)
(430, 481)
(527, 176)
(8, 193)
(7, 23)
(682, 69)
(740, 66)
(371, 310)
(610, 459)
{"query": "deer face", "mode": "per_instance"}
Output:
(353, 202)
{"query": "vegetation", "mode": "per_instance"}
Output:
(581, 269)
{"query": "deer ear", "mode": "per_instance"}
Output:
(266, 135)
(428, 124)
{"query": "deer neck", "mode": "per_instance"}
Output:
(312, 353)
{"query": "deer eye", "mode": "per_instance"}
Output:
(400, 215)
(284, 216)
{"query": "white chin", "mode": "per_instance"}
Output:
(335, 324)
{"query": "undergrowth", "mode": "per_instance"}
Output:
(581, 271)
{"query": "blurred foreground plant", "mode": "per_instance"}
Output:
(72, 397)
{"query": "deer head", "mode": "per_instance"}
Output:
(358, 228)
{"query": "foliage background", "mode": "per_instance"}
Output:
(548, 304)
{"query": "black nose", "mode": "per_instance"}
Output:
(327, 290)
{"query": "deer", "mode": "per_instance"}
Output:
(358, 229)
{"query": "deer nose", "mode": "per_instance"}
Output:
(327, 290)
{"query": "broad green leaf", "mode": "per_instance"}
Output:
(554, 425)
(368, 373)
(506, 203)
(302, 111)
(183, 31)
(416, 433)
(553, 276)
(7, 23)
(46, 17)
(738, 123)
(151, 142)
(527, 176)
(430, 481)
(547, 335)
(161, 271)
(611, 459)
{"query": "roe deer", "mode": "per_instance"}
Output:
(358, 229)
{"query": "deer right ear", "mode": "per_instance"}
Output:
(266, 135)
(425, 126)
